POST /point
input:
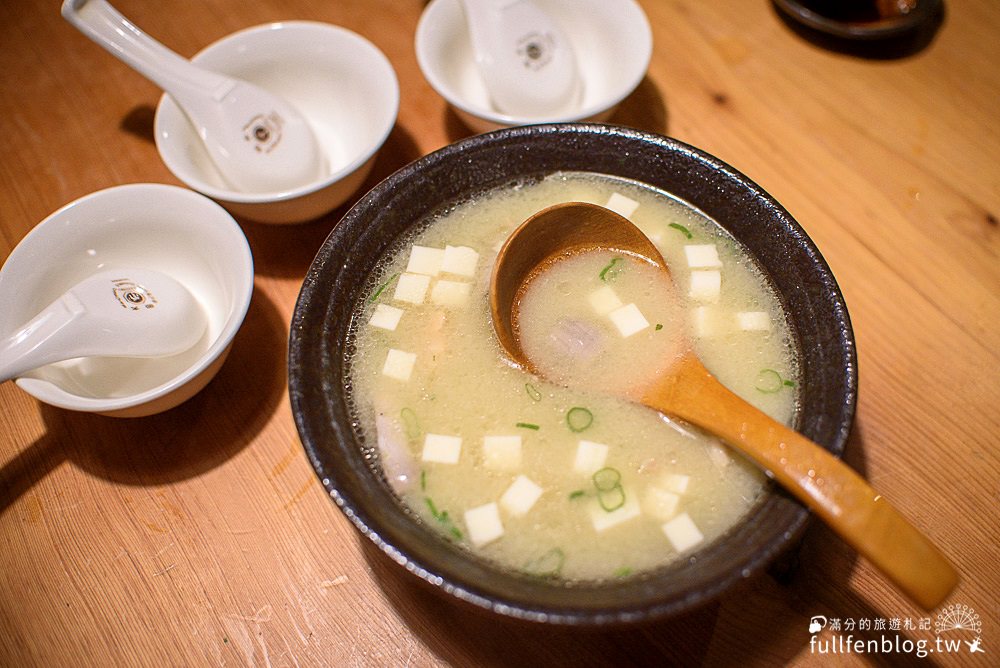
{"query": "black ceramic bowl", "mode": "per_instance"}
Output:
(350, 471)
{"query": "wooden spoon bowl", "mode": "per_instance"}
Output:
(687, 390)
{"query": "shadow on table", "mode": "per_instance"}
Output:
(769, 620)
(197, 436)
(643, 109)
(764, 621)
(464, 635)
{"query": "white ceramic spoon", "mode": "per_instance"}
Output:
(525, 59)
(118, 313)
(259, 142)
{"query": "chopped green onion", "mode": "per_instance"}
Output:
(442, 517)
(658, 327)
(612, 499)
(381, 288)
(683, 230)
(623, 572)
(527, 425)
(770, 381)
(610, 272)
(549, 564)
(607, 479)
(610, 493)
(532, 392)
(579, 418)
(576, 494)
(423, 480)
(411, 425)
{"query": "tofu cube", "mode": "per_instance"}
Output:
(705, 286)
(460, 260)
(628, 319)
(450, 293)
(603, 519)
(520, 496)
(590, 457)
(702, 256)
(399, 364)
(604, 300)
(682, 532)
(386, 317)
(483, 524)
(660, 503)
(442, 449)
(676, 482)
(425, 260)
(412, 288)
(703, 322)
(754, 321)
(623, 206)
(502, 453)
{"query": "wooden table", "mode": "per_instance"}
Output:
(202, 537)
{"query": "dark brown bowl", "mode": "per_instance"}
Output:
(349, 468)
(857, 20)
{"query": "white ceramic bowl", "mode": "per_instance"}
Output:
(611, 39)
(152, 226)
(341, 83)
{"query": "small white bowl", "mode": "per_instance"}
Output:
(343, 85)
(611, 39)
(151, 226)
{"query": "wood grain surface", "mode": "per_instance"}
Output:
(201, 536)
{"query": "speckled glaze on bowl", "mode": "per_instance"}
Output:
(337, 281)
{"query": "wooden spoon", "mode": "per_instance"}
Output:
(831, 489)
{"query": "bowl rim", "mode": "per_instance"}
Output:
(215, 215)
(308, 387)
(496, 117)
(359, 160)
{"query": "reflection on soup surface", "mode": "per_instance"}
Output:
(559, 478)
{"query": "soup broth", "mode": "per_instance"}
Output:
(539, 477)
(600, 320)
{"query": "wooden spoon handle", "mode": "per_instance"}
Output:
(859, 514)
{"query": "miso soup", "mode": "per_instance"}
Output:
(560, 478)
(601, 320)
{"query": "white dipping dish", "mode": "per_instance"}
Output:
(344, 86)
(611, 39)
(160, 227)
